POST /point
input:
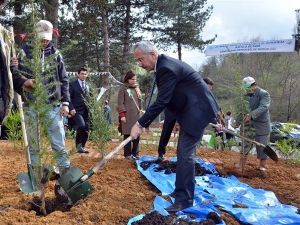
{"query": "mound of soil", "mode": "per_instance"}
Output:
(154, 218)
(170, 167)
(121, 192)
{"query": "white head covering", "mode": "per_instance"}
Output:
(248, 81)
(44, 29)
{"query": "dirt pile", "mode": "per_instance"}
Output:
(121, 192)
(154, 218)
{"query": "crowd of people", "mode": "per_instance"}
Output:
(184, 96)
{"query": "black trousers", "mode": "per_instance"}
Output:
(131, 148)
(185, 168)
(166, 132)
(82, 126)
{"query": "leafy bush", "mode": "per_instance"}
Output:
(288, 148)
(101, 130)
(13, 124)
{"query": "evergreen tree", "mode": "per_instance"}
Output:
(178, 22)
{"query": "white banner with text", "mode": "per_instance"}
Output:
(287, 45)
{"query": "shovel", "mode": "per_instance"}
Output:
(267, 149)
(25, 180)
(74, 185)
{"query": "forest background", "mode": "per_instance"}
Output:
(100, 34)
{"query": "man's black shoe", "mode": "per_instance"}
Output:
(82, 150)
(161, 157)
(135, 157)
(177, 207)
(173, 194)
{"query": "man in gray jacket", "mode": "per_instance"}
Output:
(259, 116)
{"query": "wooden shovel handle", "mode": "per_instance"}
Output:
(267, 149)
(240, 136)
(101, 163)
(111, 154)
(19, 101)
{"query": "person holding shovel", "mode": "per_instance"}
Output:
(129, 109)
(56, 83)
(182, 91)
(259, 118)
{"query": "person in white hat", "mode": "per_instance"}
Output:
(56, 83)
(258, 117)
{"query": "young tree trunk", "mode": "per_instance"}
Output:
(126, 36)
(179, 51)
(97, 54)
(105, 40)
(51, 14)
(105, 45)
(18, 25)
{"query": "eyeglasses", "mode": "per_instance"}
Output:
(140, 59)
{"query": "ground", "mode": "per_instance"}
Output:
(121, 192)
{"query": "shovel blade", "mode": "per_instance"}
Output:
(72, 186)
(25, 183)
(271, 153)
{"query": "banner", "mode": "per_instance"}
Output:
(287, 45)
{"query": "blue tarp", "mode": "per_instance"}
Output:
(212, 190)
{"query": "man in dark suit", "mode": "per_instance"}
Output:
(182, 91)
(169, 124)
(79, 109)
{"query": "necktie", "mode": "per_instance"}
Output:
(151, 93)
(83, 86)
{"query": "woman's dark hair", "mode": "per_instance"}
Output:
(228, 113)
(129, 74)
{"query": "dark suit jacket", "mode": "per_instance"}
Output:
(182, 91)
(77, 97)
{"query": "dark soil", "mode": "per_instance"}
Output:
(154, 218)
(51, 205)
(121, 192)
(170, 167)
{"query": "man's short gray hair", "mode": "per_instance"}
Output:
(145, 46)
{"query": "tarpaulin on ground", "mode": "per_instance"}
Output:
(246, 204)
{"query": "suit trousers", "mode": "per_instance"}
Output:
(82, 125)
(166, 132)
(185, 168)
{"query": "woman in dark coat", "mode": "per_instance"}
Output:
(129, 109)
